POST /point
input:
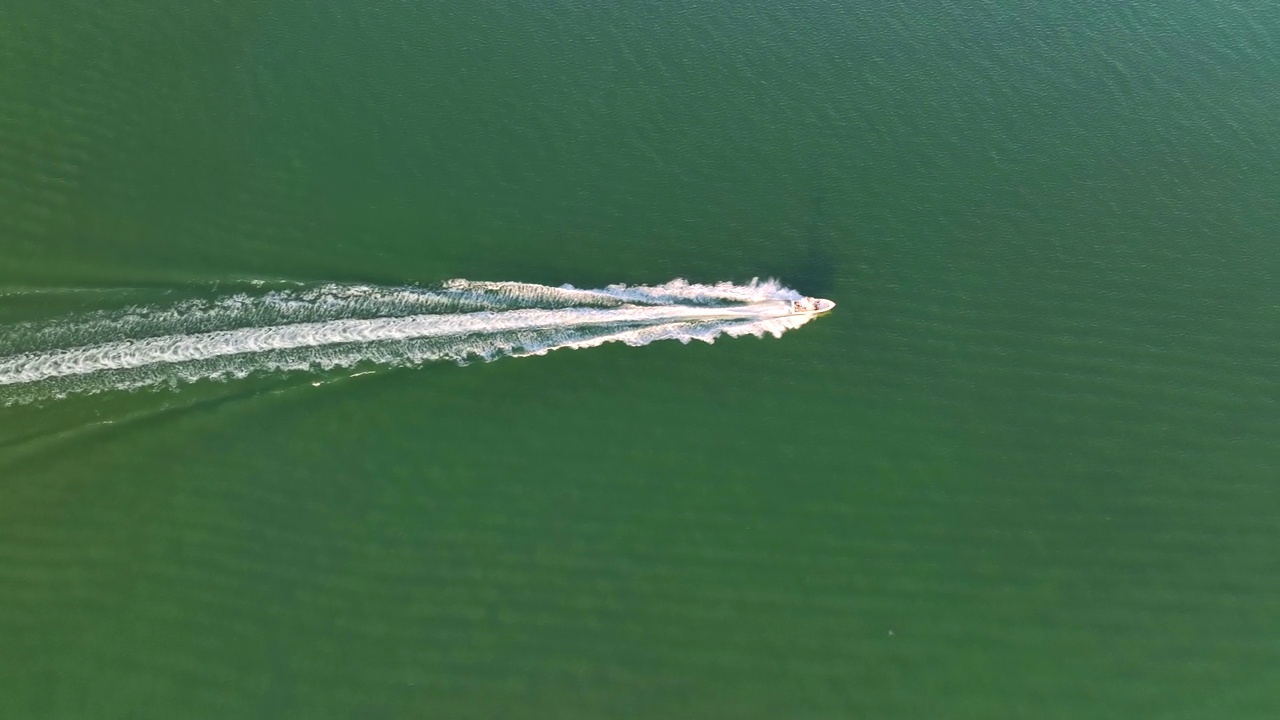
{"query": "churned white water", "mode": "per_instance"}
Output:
(335, 326)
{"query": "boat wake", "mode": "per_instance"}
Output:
(342, 326)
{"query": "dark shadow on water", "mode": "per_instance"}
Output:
(810, 267)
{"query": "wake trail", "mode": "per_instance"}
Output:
(337, 326)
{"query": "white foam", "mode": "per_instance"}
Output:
(345, 325)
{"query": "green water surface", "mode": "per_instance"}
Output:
(1028, 468)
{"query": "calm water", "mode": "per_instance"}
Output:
(1026, 469)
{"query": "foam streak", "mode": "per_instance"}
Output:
(341, 326)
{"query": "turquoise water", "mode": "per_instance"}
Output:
(1026, 468)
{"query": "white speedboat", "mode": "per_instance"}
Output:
(811, 306)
